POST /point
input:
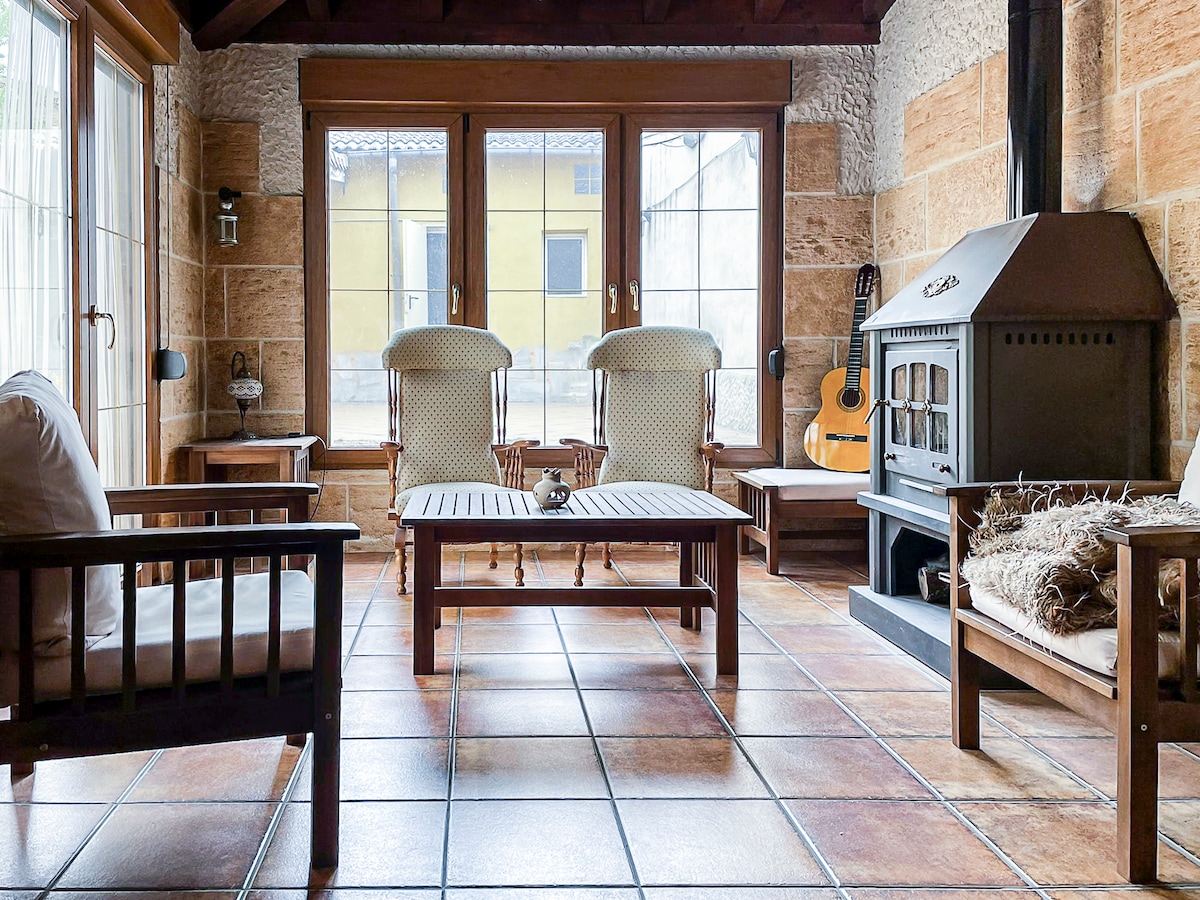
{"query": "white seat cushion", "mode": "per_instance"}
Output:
(52, 675)
(810, 484)
(479, 487)
(1094, 649)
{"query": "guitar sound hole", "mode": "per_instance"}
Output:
(850, 398)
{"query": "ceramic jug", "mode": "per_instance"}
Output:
(551, 492)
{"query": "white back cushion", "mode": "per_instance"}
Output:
(654, 428)
(446, 428)
(49, 484)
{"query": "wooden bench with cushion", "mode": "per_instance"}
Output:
(781, 500)
(91, 663)
(1132, 679)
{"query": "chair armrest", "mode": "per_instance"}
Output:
(100, 548)
(512, 463)
(1169, 540)
(710, 450)
(183, 498)
(584, 463)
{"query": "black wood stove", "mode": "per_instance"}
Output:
(1026, 351)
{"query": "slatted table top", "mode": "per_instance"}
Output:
(593, 506)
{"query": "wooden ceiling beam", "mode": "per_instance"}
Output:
(318, 10)
(767, 11)
(655, 11)
(875, 10)
(559, 33)
(233, 22)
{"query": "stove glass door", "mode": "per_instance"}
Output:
(922, 396)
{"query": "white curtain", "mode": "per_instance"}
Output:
(35, 288)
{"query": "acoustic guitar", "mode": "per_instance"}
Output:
(837, 438)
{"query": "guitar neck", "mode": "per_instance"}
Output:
(854, 358)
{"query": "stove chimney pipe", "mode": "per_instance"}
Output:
(1035, 61)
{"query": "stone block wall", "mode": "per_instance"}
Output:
(954, 172)
(181, 257)
(827, 236)
(1131, 107)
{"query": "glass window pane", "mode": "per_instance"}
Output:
(918, 382)
(670, 170)
(671, 308)
(700, 255)
(919, 425)
(545, 273)
(900, 383)
(940, 439)
(565, 263)
(120, 274)
(670, 250)
(731, 317)
(737, 407)
(729, 249)
(729, 170)
(899, 427)
(35, 299)
(388, 263)
(941, 385)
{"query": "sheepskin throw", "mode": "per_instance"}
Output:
(1046, 556)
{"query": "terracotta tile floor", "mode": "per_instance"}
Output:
(595, 754)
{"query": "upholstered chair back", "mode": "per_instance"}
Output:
(656, 403)
(443, 403)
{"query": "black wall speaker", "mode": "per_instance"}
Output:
(170, 365)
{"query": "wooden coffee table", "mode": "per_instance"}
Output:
(705, 527)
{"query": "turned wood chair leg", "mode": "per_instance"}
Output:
(518, 572)
(296, 740)
(401, 562)
(606, 555)
(18, 771)
(580, 555)
(492, 563)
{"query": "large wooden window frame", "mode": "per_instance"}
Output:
(135, 44)
(469, 97)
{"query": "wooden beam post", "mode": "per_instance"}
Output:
(233, 22)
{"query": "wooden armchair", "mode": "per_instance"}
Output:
(447, 406)
(186, 664)
(654, 394)
(1131, 700)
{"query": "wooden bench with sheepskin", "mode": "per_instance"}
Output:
(1087, 592)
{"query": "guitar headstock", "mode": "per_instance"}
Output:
(864, 284)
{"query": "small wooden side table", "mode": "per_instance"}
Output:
(292, 454)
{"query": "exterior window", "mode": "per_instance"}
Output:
(559, 222)
(589, 178)
(700, 254)
(120, 274)
(387, 263)
(35, 215)
(566, 264)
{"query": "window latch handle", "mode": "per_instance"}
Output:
(635, 290)
(612, 298)
(455, 293)
(94, 315)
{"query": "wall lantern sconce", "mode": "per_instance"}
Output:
(245, 389)
(226, 219)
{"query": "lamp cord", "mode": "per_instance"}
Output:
(320, 487)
